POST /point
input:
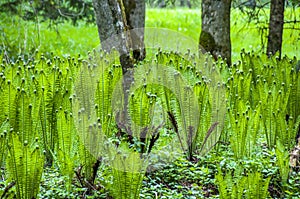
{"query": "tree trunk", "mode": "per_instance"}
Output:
(215, 33)
(135, 17)
(114, 18)
(188, 3)
(182, 3)
(162, 4)
(275, 27)
(111, 23)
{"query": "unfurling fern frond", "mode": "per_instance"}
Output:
(25, 163)
(110, 76)
(282, 159)
(66, 154)
(128, 172)
(88, 127)
(4, 128)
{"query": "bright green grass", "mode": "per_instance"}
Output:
(65, 39)
(243, 34)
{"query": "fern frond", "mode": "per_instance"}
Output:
(282, 159)
(127, 172)
(66, 155)
(25, 166)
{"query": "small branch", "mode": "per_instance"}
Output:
(91, 187)
(7, 189)
(72, 15)
(78, 175)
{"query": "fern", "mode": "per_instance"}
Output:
(66, 155)
(88, 129)
(257, 186)
(25, 166)
(293, 109)
(231, 185)
(282, 159)
(105, 97)
(235, 185)
(3, 141)
(192, 103)
(244, 127)
(127, 171)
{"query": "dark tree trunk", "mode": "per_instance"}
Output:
(275, 27)
(182, 3)
(135, 17)
(188, 3)
(215, 33)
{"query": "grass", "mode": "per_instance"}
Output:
(65, 39)
(243, 35)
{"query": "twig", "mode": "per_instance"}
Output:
(7, 189)
(78, 175)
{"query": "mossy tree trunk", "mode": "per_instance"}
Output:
(215, 31)
(135, 17)
(114, 19)
(275, 27)
(111, 23)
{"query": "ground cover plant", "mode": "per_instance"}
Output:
(53, 94)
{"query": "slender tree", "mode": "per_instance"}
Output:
(187, 2)
(215, 32)
(276, 27)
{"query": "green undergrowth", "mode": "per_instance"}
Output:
(63, 134)
(184, 179)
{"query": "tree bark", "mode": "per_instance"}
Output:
(114, 19)
(276, 27)
(135, 17)
(188, 3)
(215, 33)
(111, 22)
